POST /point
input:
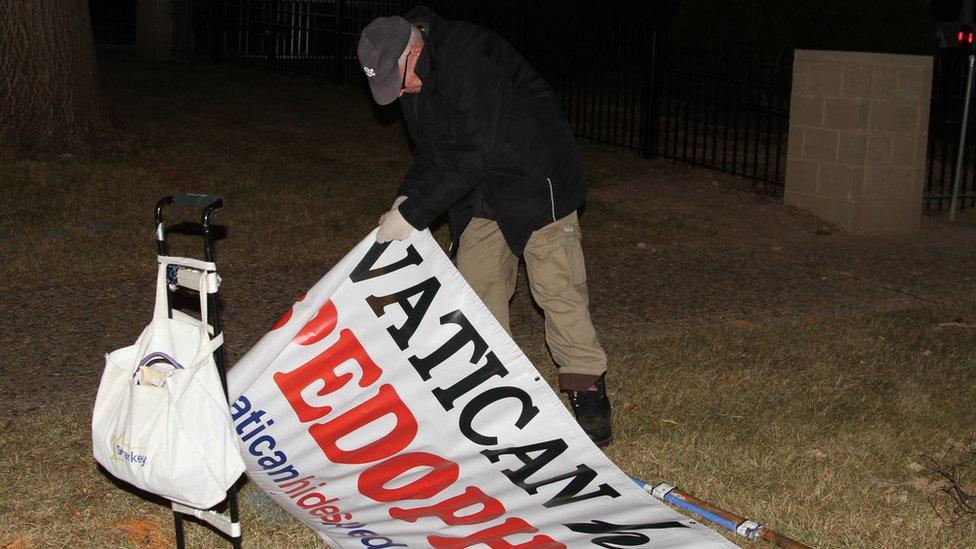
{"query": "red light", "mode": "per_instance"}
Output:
(965, 35)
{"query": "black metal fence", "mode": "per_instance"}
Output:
(300, 36)
(718, 106)
(726, 108)
(945, 124)
(314, 37)
(623, 84)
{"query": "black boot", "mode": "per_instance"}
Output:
(592, 409)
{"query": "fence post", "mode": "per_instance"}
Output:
(337, 55)
(271, 29)
(212, 32)
(650, 99)
(961, 150)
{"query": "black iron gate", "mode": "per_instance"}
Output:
(726, 107)
(945, 123)
(624, 84)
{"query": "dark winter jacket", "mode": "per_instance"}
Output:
(489, 136)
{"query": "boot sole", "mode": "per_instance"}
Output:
(603, 442)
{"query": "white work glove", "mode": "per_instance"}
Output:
(392, 224)
(396, 204)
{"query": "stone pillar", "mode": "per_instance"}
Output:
(154, 29)
(858, 138)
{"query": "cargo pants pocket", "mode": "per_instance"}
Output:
(554, 256)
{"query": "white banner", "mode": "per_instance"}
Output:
(387, 408)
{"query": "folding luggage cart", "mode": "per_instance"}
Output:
(186, 273)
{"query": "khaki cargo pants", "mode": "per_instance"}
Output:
(557, 279)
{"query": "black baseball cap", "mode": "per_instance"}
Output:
(381, 44)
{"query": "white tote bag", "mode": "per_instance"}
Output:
(161, 421)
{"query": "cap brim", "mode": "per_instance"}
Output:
(386, 88)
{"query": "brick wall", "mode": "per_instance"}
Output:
(857, 141)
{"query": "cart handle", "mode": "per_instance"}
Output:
(207, 203)
(198, 201)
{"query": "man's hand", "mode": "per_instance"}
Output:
(396, 204)
(392, 224)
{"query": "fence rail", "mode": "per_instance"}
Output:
(602, 74)
(726, 110)
(618, 84)
(719, 106)
(945, 123)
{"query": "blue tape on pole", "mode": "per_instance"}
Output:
(723, 522)
(640, 483)
(677, 502)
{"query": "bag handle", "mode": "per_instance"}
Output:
(159, 327)
(164, 357)
(206, 350)
(161, 308)
(207, 345)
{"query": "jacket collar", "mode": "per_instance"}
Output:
(424, 62)
(431, 26)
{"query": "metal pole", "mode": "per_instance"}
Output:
(742, 526)
(220, 360)
(650, 100)
(961, 152)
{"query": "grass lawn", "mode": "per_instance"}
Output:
(821, 429)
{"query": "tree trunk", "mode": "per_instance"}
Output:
(49, 90)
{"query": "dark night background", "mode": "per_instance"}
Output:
(764, 350)
(895, 26)
(113, 21)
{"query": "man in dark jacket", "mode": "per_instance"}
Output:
(493, 149)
